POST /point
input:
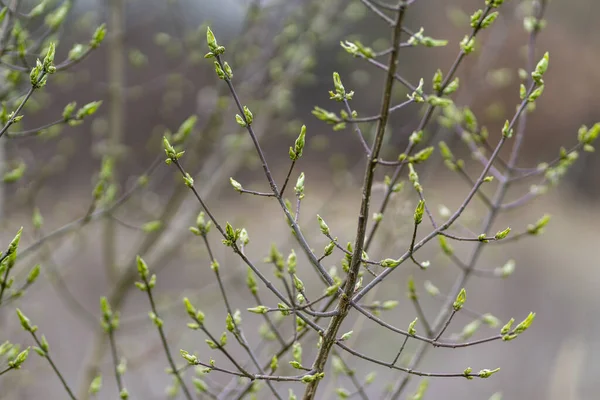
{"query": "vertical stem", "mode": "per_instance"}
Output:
(345, 299)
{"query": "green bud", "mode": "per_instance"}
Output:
(489, 20)
(414, 178)
(296, 364)
(25, 322)
(19, 359)
(411, 327)
(535, 94)
(299, 188)
(588, 136)
(460, 300)
(68, 111)
(420, 394)
(98, 36)
(312, 378)
(211, 41)
(299, 144)
(142, 268)
(258, 310)
(337, 83)
(49, 59)
(329, 249)
(470, 329)
(221, 75)
(475, 17)
(418, 215)
(88, 109)
(431, 289)
(416, 137)
(236, 185)
(96, 385)
(494, 3)
(152, 226)
(445, 151)
(229, 323)
(439, 101)
(522, 327)
(507, 327)
(229, 74)
(389, 263)
(298, 283)
(451, 87)
(35, 11)
(419, 39)
(446, 247)
(357, 49)
(200, 385)
(274, 363)
(44, 344)
(251, 282)
(297, 351)
(15, 174)
(417, 95)
(422, 155)
(189, 308)
(155, 319)
(14, 244)
(346, 336)
(190, 358)
(241, 122)
(33, 274)
(244, 238)
(389, 304)
(486, 373)
(188, 180)
(467, 373)
(437, 80)
(506, 270)
(76, 52)
(502, 234)
(509, 337)
(248, 115)
(507, 131)
(490, 320)
(331, 290)
(323, 225)
(538, 227)
(467, 45)
(540, 69)
(185, 129)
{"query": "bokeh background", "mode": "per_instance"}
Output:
(151, 75)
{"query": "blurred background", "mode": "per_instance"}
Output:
(151, 74)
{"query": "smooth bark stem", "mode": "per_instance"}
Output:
(344, 302)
